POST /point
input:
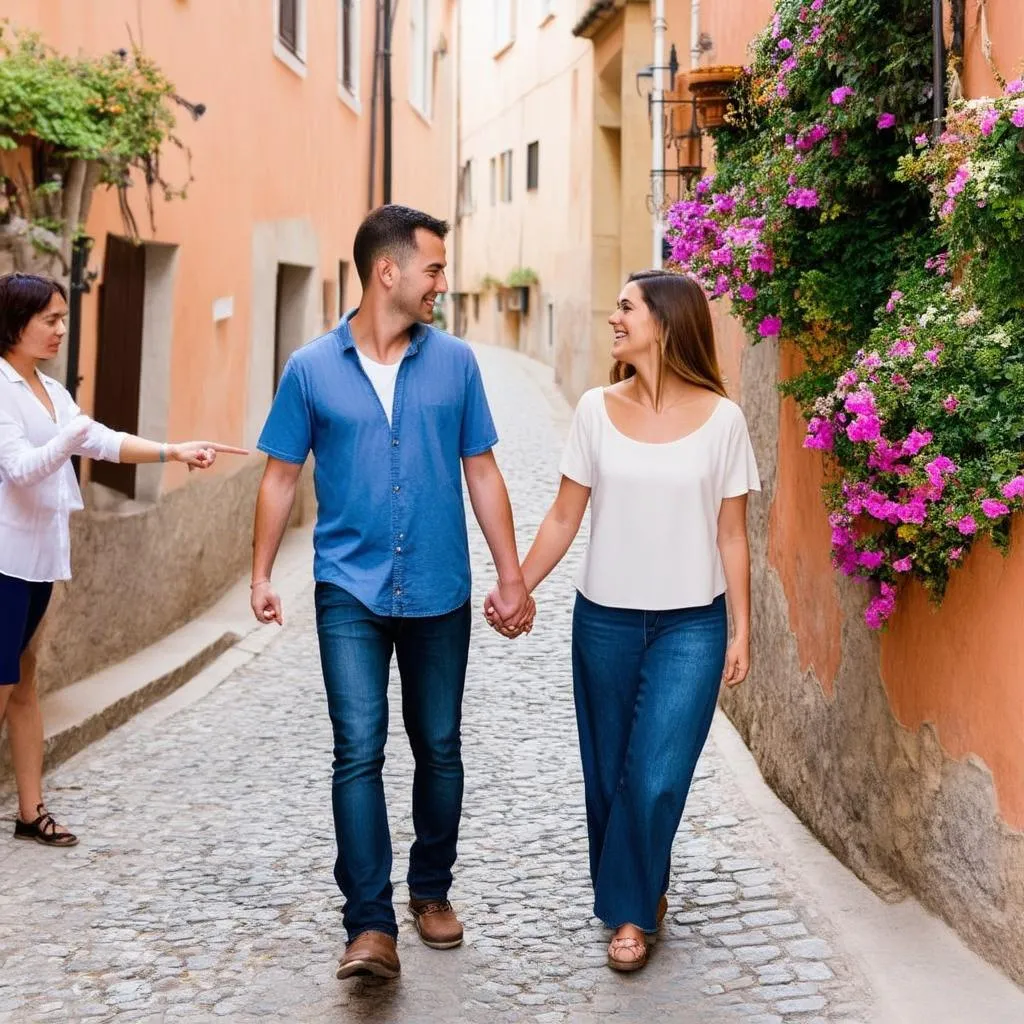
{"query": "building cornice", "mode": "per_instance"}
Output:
(595, 17)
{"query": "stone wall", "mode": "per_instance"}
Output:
(140, 574)
(891, 803)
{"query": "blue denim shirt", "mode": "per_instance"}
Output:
(391, 523)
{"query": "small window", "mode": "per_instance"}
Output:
(290, 34)
(467, 203)
(348, 49)
(532, 166)
(288, 24)
(494, 181)
(476, 306)
(506, 176)
(504, 24)
(421, 76)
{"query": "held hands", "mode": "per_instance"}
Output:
(200, 454)
(737, 662)
(509, 609)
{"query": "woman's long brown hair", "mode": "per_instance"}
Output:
(686, 334)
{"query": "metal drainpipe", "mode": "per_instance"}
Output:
(389, 19)
(938, 70)
(658, 131)
(378, 9)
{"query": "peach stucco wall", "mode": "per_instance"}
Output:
(272, 146)
(959, 667)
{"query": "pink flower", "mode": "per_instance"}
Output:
(1017, 118)
(770, 327)
(817, 5)
(841, 95)
(932, 355)
(880, 608)
(914, 511)
(861, 402)
(782, 91)
(789, 64)
(893, 299)
(994, 509)
(802, 198)
(886, 121)
(864, 428)
(747, 292)
(1014, 87)
(871, 361)
(959, 182)
(871, 559)
(956, 554)
(951, 403)
(902, 348)
(967, 526)
(988, 121)
(938, 467)
(1014, 489)
(903, 564)
(916, 440)
(921, 140)
(785, 44)
(816, 33)
(819, 434)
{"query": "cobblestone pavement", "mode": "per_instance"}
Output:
(202, 888)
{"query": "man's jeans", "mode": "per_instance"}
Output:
(355, 653)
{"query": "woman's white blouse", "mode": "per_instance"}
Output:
(38, 489)
(654, 507)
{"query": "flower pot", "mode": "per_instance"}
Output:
(711, 88)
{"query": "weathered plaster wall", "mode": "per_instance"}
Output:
(899, 805)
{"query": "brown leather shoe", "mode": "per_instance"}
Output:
(370, 953)
(437, 924)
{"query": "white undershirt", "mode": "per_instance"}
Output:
(654, 507)
(382, 377)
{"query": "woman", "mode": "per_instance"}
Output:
(666, 460)
(40, 429)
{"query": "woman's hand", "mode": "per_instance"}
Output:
(201, 454)
(737, 662)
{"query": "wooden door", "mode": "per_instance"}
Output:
(119, 357)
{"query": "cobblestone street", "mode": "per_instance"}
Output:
(202, 888)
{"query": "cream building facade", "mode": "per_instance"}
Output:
(554, 172)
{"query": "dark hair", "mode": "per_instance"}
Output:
(22, 296)
(687, 334)
(391, 231)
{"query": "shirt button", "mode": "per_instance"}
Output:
(396, 488)
(394, 441)
(398, 551)
(398, 590)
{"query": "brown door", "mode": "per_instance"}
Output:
(119, 356)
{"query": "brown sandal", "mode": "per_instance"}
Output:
(44, 830)
(630, 945)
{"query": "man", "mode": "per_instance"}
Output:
(390, 408)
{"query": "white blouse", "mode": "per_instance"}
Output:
(654, 507)
(38, 489)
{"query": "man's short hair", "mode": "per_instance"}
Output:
(391, 231)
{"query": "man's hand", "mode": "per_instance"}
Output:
(266, 605)
(510, 609)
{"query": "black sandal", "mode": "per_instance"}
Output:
(43, 830)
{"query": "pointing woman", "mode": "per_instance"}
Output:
(40, 429)
(665, 461)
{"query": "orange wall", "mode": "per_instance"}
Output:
(272, 146)
(959, 667)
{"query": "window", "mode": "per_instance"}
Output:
(290, 34)
(532, 166)
(421, 76)
(504, 24)
(494, 180)
(506, 176)
(348, 51)
(467, 203)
